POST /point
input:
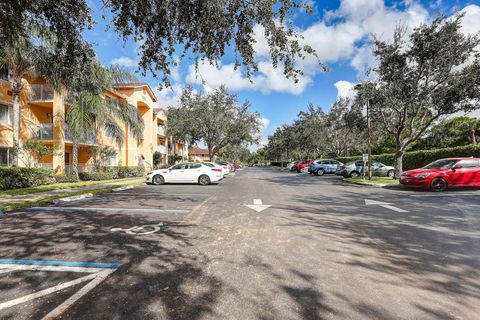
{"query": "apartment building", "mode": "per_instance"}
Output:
(198, 154)
(43, 118)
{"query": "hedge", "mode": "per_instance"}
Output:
(279, 163)
(18, 177)
(420, 158)
(62, 178)
(95, 176)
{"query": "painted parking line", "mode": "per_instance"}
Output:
(87, 209)
(156, 195)
(97, 272)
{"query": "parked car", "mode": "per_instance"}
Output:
(187, 172)
(291, 165)
(225, 165)
(302, 166)
(356, 169)
(443, 174)
(320, 167)
(215, 165)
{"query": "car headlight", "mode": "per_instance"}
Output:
(422, 175)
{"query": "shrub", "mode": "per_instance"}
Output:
(62, 178)
(94, 176)
(126, 172)
(279, 163)
(17, 177)
(420, 158)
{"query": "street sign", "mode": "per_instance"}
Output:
(365, 158)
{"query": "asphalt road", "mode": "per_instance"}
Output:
(192, 252)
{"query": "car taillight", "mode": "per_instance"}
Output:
(217, 170)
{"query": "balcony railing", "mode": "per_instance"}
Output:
(161, 130)
(44, 165)
(43, 131)
(41, 92)
(89, 138)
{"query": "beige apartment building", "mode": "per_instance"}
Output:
(42, 117)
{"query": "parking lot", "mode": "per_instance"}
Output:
(264, 244)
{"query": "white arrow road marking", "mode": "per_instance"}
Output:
(386, 205)
(258, 205)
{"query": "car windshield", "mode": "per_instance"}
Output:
(441, 164)
(208, 164)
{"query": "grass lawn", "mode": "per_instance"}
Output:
(58, 186)
(49, 199)
(376, 181)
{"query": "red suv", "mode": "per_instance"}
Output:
(444, 173)
(303, 164)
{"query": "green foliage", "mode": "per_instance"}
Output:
(100, 155)
(420, 158)
(95, 176)
(234, 153)
(126, 172)
(35, 151)
(64, 178)
(17, 177)
(432, 72)
(458, 131)
(173, 159)
(214, 118)
(279, 163)
(157, 158)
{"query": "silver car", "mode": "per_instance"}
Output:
(356, 169)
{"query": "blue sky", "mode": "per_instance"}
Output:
(339, 31)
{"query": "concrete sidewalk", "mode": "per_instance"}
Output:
(40, 195)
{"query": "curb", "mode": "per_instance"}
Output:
(365, 184)
(122, 188)
(74, 198)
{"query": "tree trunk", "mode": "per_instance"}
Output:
(399, 151)
(75, 158)
(16, 90)
(474, 136)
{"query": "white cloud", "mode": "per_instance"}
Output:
(124, 61)
(267, 80)
(345, 89)
(471, 21)
(168, 97)
(265, 123)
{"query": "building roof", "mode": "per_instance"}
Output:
(197, 150)
(132, 85)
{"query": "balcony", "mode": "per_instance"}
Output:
(43, 131)
(81, 168)
(161, 130)
(41, 92)
(162, 149)
(89, 138)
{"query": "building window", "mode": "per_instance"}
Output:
(4, 74)
(6, 156)
(6, 114)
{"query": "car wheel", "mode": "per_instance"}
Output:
(320, 172)
(158, 179)
(391, 174)
(354, 174)
(439, 185)
(204, 180)
(298, 171)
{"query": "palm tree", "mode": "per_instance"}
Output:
(92, 110)
(32, 52)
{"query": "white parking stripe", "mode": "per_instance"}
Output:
(58, 311)
(86, 209)
(16, 267)
(44, 292)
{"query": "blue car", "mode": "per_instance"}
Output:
(321, 167)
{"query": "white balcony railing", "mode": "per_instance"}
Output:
(41, 92)
(81, 168)
(44, 165)
(161, 130)
(43, 131)
(162, 149)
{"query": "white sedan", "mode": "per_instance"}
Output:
(187, 172)
(225, 169)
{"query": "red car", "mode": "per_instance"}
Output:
(303, 164)
(443, 174)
